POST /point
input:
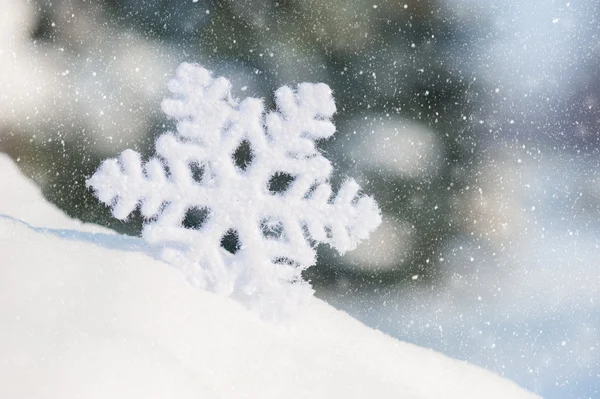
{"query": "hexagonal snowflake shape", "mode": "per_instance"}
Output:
(239, 198)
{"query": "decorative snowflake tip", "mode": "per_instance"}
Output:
(239, 199)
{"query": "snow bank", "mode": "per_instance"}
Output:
(90, 314)
(23, 200)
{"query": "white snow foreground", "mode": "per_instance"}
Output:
(85, 313)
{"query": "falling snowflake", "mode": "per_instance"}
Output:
(239, 199)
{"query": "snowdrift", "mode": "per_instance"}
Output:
(86, 313)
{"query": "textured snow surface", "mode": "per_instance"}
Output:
(90, 314)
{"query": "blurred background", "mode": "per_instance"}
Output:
(475, 125)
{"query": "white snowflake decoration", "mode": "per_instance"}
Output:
(195, 170)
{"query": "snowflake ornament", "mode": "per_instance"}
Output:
(244, 228)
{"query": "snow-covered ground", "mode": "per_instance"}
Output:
(91, 314)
